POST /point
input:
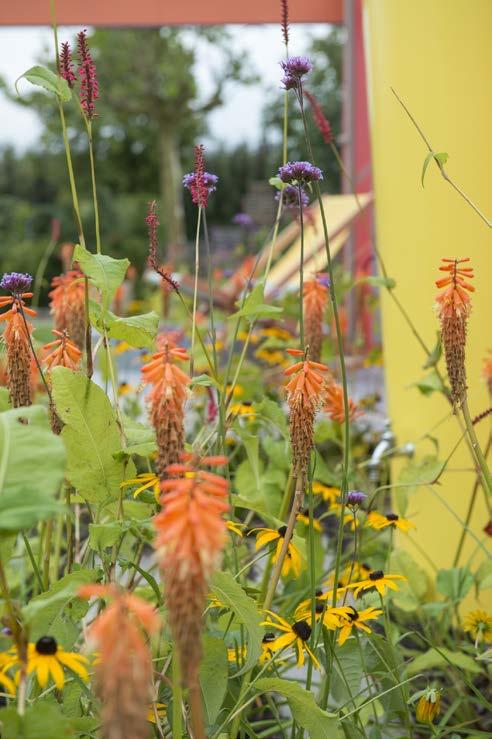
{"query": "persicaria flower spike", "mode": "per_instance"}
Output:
(299, 173)
(321, 122)
(67, 305)
(305, 392)
(124, 667)
(285, 21)
(200, 183)
(453, 308)
(191, 532)
(315, 297)
(16, 337)
(89, 87)
(66, 68)
(166, 399)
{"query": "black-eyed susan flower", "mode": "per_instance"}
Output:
(352, 573)
(429, 706)
(237, 654)
(330, 616)
(145, 481)
(266, 652)
(351, 617)
(46, 658)
(6, 684)
(378, 580)
(293, 560)
(379, 521)
(244, 408)
(303, 517)
(296, 634)
(328, 493)
(479, 625)
(235, 527)
(157, 711)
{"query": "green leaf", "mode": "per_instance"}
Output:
(276, 182)
(420, 472)
(58, 604)
(435, 355)
(254, 307)
(454, 583)
(32, 464)
(412, 592)
(43, 77)
(103, 535)
(305, 710)
(251, 445)
(229, 592)
(347, 670)
(429, 384)
(204, 381)
(377, 281)
(483, 575)
(138, 331)
(440, 659)
(41, 721)
(140, 439)
(213, 676)
(440, 158)
(273, 411)
(90, 435)
(4, 399)
(106, 273)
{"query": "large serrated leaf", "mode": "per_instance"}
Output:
(318, 723)
(229, 592)
(45, 78)
(138, 331)
(32, 464)
(213, 676)
(90, 435)
(105, 273)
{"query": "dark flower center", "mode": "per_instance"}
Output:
(320, 606)
(247, 403)
(302, 629)
(282, 530)
(353, 616)
(46, 645)
(269, 637)
(318, 593)
(376, 575)
(366, 567)
(392, 517)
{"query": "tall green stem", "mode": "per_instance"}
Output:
(476, 448)
(88, 124)
(195, 288)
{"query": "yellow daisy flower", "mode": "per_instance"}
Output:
(352, 618)
(331, 616)
(122, 347)
(377, 579)
(243, 409)
(125, 388)
(46, 658)
(292, 561)
(6, 684)
(303, 517)
(235, 655)
(379, 521)
(328, 493)
(276, 332)
(429, 706)
(296, 634)
(160, 710)
(145, 481)
(235, 527)
(479, 625)
(238, 391)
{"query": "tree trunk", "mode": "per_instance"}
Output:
(171, 192)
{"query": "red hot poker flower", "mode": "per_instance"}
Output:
(16, 337)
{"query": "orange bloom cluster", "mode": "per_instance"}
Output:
(190, 535)
(60, 353)
(167, 399)
(315, 296)
(67, 305)
(124, 667)
(16, 337)
(334, 404)
(305, 393)
(453, 309)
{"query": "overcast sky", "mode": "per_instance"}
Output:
(238, 120)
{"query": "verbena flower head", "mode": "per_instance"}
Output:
(242, 219)
(89, 87)
(66, 65)
(16, 282)
(295, 68)
(299, 173)
(293, 197)
(355, 498)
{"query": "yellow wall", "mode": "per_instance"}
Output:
(437, 54)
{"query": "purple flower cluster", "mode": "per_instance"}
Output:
(209, 180)
(294, 70)
(16, 282)
(355, 498)
(299, 173)
(323, 279)
(293, 197)
(242, 219)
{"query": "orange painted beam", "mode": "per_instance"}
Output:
(167, 12)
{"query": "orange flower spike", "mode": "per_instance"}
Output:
(67, 305)
(315, 299)
(16, 338)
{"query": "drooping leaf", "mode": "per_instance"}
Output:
(229, 592)
(43, 77)
(32, 464)
(213, 676)
(430, 383)
(440, 157)
(105, 273)
(454, 583)
(435, 354)
(440, 659)
(347, 671)
(138, 331)
(90, 435)
(413, 591)
(318, 723)
(254, 306)
(483, 575)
